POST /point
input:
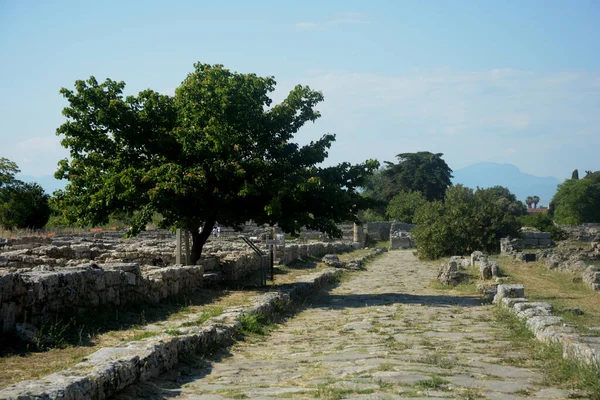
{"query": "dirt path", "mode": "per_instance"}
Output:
(382, 334)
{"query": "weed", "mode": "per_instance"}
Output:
(207, 313)
(173, 332)
(253, 324)
(558, 371)
(144, 335)
(53, 334)
(434, 383)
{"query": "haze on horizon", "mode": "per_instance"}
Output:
(511, 82)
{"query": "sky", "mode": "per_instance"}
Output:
(480, 81)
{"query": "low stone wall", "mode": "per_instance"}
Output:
(32, 296)
(536, 239)
(583, 233)
(547, 328)
(379, 230)
(110, 370)
(296, 251)
(591, 277)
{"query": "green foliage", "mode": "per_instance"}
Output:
(23, 205)
(373, 215)
(8, 169)
(216, 151)
(466, 221)
(544, 223)
(253, 324)
(423, 172)
(404, 205)
(577, 201)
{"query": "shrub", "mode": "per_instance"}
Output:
(544, 223)
(404, 205)
(466, 221)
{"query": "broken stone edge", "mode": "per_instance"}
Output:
(111, 369)
(551, 329)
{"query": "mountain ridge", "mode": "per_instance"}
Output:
(522, 184)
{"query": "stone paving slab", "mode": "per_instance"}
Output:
(382, 334)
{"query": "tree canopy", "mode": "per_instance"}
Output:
(423, 172)
(404, 205)
(22, 205)
(577, 201)
(217, 151)
(466, 221)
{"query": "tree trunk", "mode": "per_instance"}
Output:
(199, 239)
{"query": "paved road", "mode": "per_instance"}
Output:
(382, 334)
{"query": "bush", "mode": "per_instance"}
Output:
(544, 223)
(404, 205)
(23, 205)
(466, 221)
(578, 200)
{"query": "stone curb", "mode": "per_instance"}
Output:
(111, 369)
(552, 329)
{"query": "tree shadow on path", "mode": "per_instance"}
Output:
(341, 301)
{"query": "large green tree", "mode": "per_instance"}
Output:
(217, 151)
(423, 172)
(577, 201)
(465, 221)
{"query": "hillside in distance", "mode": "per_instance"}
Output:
(487, 174)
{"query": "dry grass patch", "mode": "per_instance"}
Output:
(107, 328)
(557, 288)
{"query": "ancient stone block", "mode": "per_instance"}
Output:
(514, 291)
(485, 271)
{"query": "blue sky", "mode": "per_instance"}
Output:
(503, 81)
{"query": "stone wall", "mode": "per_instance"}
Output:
(67, 276)
(591, 277)
(383, 230)
(527, 240)
(549, 328)
(536, 239)
(31, 296)
(379, 230)
(583, 233)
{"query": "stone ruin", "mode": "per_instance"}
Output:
(383, 230)
(572, 255)
(539, 319)
(583, 233)
(454, 272)
(69, 274)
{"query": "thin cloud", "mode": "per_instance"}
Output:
(351, 18)
(469, 116)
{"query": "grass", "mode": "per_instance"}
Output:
(557, 288)
(558, 371)
(82, 335)
(435, 382)
(144, 335)
(254, 324)
(206, 314)
(329, 392)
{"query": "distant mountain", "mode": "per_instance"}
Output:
(489, 174)
(48, 182)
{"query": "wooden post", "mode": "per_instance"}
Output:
(178, 247)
